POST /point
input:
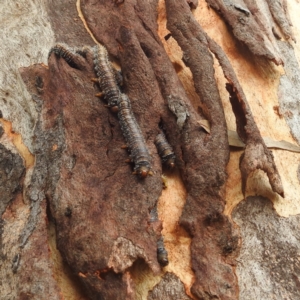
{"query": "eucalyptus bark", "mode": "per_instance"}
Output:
(81, 190)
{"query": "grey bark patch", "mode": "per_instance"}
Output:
(47, 162)
(270, 252)
(26, 36)
(11, 179)
(169, 288)
(289, 90)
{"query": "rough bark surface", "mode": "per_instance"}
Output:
(96, 215)
(169, 288)
(277, 261)
(12, 171)
(250, 25)
(81, 193)
(205, 157)
(257, 155)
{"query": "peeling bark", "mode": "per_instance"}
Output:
(110, 211)
(257, 155)
(279, 12)
(148, 74)
(250, 25)
(80, 184)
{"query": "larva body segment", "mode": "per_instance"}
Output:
(165, 151)
(162, 253)
(106, 76)
(66, 53)
(153, 215)
(134, 139)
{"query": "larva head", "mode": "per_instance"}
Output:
(162, 257)
(114, 109)
(170, 163)
(142, 171)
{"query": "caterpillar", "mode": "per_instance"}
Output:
(162, 253)
(153, 215)
(165, 150)
(107, 77)
(139, 153)
(62, 50)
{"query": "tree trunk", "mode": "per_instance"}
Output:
(76, 223)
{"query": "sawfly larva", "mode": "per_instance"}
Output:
(165, 150)
(134, 139)
(107, 78)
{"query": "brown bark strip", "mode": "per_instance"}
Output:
(246, 28)
(206, 158)
(92, 203)
(256, 155)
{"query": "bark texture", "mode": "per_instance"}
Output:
(278, 258)
(80, 195)
(250, 25)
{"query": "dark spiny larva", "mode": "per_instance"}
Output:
(165, 150)
(106, 77)
(153, 215)
(83, 51)
(162, 253)
(65, 52)
(118, 76)
(134, 139)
